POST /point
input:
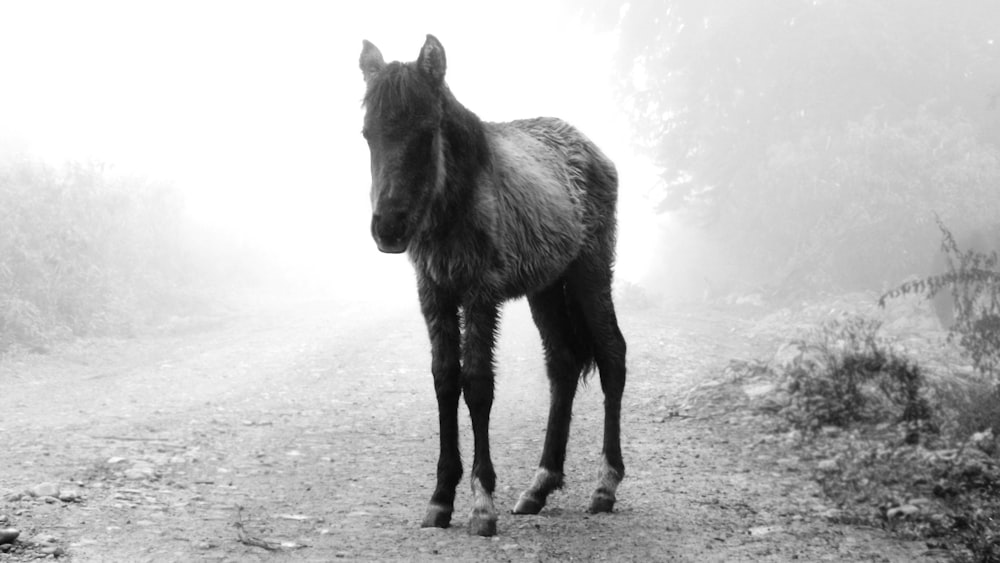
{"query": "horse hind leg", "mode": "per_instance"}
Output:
(564, 360)
(609, 353)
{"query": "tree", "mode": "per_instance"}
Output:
(712, 85)
(818, 136)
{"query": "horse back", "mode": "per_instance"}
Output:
(549, 195)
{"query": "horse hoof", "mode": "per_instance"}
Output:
(601, 503)
(528, 504)
(437, 517)
(482, 526)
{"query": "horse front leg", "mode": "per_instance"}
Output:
(477, 386)
(441, 315)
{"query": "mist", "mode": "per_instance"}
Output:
(745, 145)
(204, 354)
(252, 111)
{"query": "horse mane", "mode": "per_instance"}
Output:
(468, 148)
(400, 89)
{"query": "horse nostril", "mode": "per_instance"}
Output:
(397, 219)
(390, 226)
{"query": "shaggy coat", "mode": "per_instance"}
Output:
(488, 212)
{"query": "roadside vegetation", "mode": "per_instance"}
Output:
(900, 446)
(87, 252)
(807, 149)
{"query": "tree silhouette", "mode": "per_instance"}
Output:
(713, 85)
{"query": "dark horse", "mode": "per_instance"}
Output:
(489, 212)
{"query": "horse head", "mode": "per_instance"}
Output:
(403, 117)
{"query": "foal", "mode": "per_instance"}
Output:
(488, 212)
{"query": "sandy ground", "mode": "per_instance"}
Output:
(308, 430)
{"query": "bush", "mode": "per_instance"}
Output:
(848, 208)
(846, 374)
(632, 296)
(919, 458)
(946, 494)
(973, 278)
(84, 252)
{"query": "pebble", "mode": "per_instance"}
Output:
(763, 530)
(901, 511)
(45, 490)
(70, 495)
(757, 390)
(831, 431)
(44, 539)
(832, 513)
(140, 470)
(8, 535)
(53, 550)
(827, 465)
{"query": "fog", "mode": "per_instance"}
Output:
(810, 145)
(252, 109)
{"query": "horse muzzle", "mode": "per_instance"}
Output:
(390, 232)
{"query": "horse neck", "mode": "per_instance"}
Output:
(466, 153)
(467, 149)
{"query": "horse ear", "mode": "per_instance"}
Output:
(371, 60)
(432, 61)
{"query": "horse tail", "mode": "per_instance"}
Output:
(582, 340)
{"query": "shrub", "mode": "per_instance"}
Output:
(919, 458)
(846, 374)
(629, 295)
(84, 252)
(973, 278)
(850, 207)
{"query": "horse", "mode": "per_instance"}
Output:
(489, 212)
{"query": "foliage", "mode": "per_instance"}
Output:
(713, 86)
(83, 252)
(919, 456)
(632, 296)
(845, 374)
(817, 138)
(944, 493)
(973, 279)
(854, 207)
(968, 406)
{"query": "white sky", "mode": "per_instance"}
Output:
(252, 109)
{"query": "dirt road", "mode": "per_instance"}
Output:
(311, 429)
